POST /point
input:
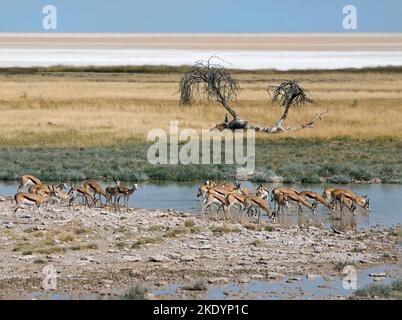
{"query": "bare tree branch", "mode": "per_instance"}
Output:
(311, 123)
(209, 79)
(288, 94)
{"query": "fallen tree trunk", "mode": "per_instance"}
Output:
(239, 124)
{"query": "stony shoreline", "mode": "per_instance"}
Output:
(99, 251)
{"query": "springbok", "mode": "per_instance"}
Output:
(233, 199)
(362, 201)
(259, 203)
(27, 180)
(220, 191)
(82, 192)
(224, 190)
(283, 199)
(43, 189)
(253, 192)
(203, 190)
(339, 196)
(316, 197)
(97, 189)
(278, 195)
(230, 186)
(125, 192)
(217, 200)
(327, 194)
(23, 199)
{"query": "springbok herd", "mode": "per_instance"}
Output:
(224, 197)
(90, 193)
(253, 201)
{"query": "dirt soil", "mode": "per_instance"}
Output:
(101, 252)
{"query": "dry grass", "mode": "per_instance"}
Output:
(85, 109)
(259, 227)
(221, 229)
(71, 236)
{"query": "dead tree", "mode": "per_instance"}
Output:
(210, 79)
(215, 82)
(288, 94)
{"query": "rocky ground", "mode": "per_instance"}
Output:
(101, 252)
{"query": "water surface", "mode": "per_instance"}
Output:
(385, 201)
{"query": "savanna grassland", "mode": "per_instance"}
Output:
(93, 122)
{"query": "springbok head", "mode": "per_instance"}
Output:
(262, 192)
(53, 196)
(135, 185)
(366, 202)
(117, 182)
(314, 206)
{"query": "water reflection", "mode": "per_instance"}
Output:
(385, 201)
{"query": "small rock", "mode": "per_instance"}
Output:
(329, 279)
(107, 281)
(293, 280)
(206, 247)
(187, 258)
(158, 258)
(27, 257)
(173, 255)
(312, 276)
(317, 249)
(218, 280)
(274, 276)
(324, 286)
(243, 280)
(130, 258)
(378, 275)
(8, 224)
(149, 296)
(162, 215)
(185, 214)
(88, 258)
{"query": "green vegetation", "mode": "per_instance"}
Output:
(92, 122)
(136, 292)
(162, 69)
(146, 240)
(294, 160)
(391, 291)
(177, 231)
(198, 286)
(189, 223)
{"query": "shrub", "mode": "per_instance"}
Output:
(136, 292)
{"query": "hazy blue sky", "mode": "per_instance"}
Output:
(201, 16)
